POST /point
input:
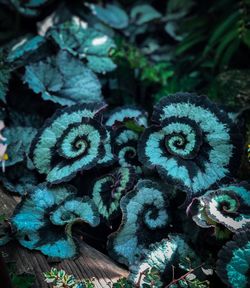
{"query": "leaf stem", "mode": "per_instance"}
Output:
(183, 276)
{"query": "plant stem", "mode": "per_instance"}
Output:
(137, 285)
(183, 276)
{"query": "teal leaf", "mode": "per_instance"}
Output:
(26, 47)
(125, 147)
(69, 142)
(233, 261)
(18, 140)
(141, 14)
(63, 79)
(76, 209)
(40, 200)
(32, 219)
(30, 7)
(100, 64)
(127, 123)
(19, 179)
(112, 15)
(86, 43)
(177, 143)
(173, 29)
(211, 212)
(145, 218)
(109, 157)
(162, 256)
(108, 190)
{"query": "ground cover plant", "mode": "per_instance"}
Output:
(129, 121)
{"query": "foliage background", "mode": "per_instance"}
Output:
(182, 45)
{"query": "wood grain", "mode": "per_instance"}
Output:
(90, 264)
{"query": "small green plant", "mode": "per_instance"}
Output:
(59, 279)
(149, 278)
(188, 280)
(122, 283)
(148, 72)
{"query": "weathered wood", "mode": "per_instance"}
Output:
(90, 264)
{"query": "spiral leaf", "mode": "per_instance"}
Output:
(108, 190)
(127, 122)
(119, 116)
(228, 206)
(233, 264)
(43, 219)
(162, 256)
(109, 157)
(75, 209)
(193, 144)
(145, 217)
(125, 147)
(70, 141)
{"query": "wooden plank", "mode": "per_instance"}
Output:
(90, 264)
